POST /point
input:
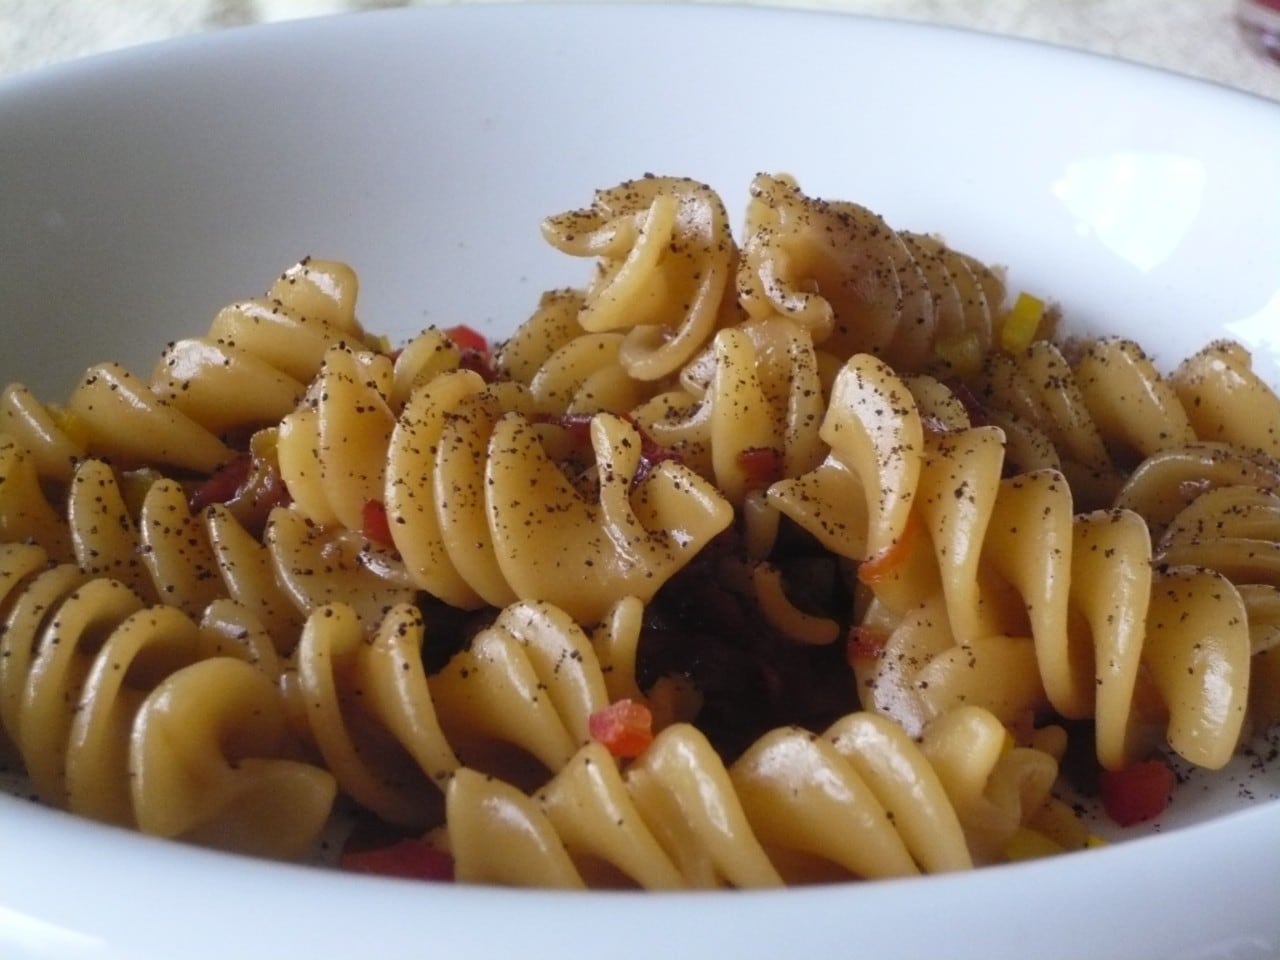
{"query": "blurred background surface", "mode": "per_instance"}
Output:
(1201, 38)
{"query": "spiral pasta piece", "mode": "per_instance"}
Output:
(757, 414)
(254, 363)
(383, 746)
(512, 526)
(862, 799)
(315, 566)
(1035, 605)
(552, 325)
(473, 498)
(1234, 530)
(26, 515)
(568, 371)
(259, 795)
(141, 531)
(1109, 409)
(628, 543)
(665, 268)
(249, 370)
(876, 441)
(84, 661)
(859, 286)
(1226, 400)
(1166, 482)
(514, 702)
(332, 451)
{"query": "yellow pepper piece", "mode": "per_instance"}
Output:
(1022, 323)
(1028, 844)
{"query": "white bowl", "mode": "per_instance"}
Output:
(141, 191)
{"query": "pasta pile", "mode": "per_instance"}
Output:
(796, 559)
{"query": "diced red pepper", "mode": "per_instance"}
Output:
(865, 643)
(249, 486)
(468, 338)
(374, 524)
(1137, 792)
(409, 858)
(889, 561)
(762, 466)
(477, 355)
(625, 728)
(223, 485)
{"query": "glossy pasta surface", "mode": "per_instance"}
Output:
(805, 555)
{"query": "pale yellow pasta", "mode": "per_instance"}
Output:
(1234, 530)
(384, 747)
(175, 548)
(231, 629)
(185, 781)
(47, 435)
(158, 547)
(877, 442)
(26, 515)
(499, 501)
(248, 568)
(123, 420)
(430, 354)
(616, 640)
(460, 571)
(569, 610)
(552, 325)
(759, 391)
(514, 703)
(472, 496)
(1028, 616)
(586, 376)
(665, 269)
(255, 361)
(1226, 400)
(627, 543)
(333, 450)
(249, 370)
(862, 799)
(1110, 408)
(497, 835)
(531, 680)
(859, 286)
(315, 566)
(994, 787)
(783, 615)
(88, 671)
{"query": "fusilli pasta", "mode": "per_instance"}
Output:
(796, 560)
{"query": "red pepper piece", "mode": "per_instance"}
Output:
(477, 354)
(865, 643)
(223, 485)
(409, 858)
(374, 524)
(625, 727)
(1137, 792)
(762, 466)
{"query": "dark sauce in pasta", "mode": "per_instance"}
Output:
(751, 678)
